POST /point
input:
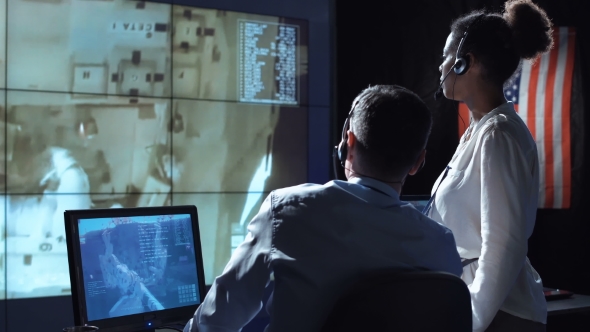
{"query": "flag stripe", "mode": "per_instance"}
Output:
(523, 100)
(531, 96)
(566, 107)
(531, 105)
(546, 118)
(538, 118)
(557, 120)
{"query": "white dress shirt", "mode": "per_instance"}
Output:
(489, 201)
(317, 239)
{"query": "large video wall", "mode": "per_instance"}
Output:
(119, 103)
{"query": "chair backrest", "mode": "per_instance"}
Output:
(403, 301)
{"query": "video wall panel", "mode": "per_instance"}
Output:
(2, 254)
(3, 44)
(257, 59)
(136, 48)
(120, 103)
(105, 144)
(96, 47)
(224, 146)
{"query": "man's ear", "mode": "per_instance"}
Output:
(419, 162)
(350, 140)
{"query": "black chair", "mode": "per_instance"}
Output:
(403, 301)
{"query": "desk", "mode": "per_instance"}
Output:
(575, 304)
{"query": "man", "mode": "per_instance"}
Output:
(318, 239)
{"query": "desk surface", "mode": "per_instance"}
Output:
(574, 304)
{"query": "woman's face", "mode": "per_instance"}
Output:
(452, 87)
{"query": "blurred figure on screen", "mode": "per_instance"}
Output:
(52, 181)
(64, 176)
(165, 166)
(59, 181)
(317, 240)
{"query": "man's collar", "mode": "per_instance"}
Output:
(376, 185)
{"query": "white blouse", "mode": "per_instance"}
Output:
(489, 201)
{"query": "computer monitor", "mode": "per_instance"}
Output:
(134, 269)
(418, 201)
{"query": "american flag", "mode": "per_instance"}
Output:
(541, 93)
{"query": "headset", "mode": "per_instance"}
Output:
(462, 62)
(340, 151)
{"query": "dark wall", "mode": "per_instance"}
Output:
(401, 42)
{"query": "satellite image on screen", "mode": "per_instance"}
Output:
(137, 264)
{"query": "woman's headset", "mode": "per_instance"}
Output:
(462, 62)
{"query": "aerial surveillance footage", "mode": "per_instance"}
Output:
(137, 264)
(118, 103)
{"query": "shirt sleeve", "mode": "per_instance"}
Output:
(451, 259)
(236, 295)
(506, 180)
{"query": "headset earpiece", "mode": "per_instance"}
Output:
(343, 146)
(340, 152)
(461, 65)
(462, 61)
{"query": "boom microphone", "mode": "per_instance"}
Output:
(439, 92)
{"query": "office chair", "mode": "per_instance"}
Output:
(403, 301)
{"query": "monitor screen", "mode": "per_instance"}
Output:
(138, 266)
(110, 104)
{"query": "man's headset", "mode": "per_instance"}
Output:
(340, 151)
(462, 62)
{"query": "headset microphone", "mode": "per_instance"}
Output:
(439, 91)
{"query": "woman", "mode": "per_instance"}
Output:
(488, 194)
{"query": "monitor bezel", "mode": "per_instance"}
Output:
(136, 322)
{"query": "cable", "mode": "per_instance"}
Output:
(458, 113)
(462, 121)
(454, 81)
